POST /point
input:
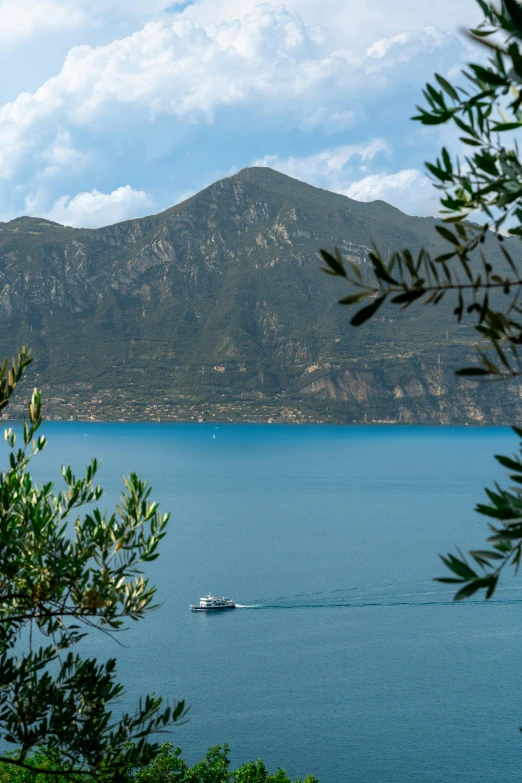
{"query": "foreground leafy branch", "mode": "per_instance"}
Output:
(482, 569)
(61, 574)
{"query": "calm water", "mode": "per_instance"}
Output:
(347, 661)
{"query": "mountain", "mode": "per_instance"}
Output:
(217, 309)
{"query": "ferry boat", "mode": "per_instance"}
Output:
(212, 603)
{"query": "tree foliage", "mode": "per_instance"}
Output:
(67, 568)
(167, 767)
(486, 184)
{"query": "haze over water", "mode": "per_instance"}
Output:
(347, 661)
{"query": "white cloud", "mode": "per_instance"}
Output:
(124, 105)
(375, 186)
(409, 190)
(179, 70)
(124, 7)
(351, 23)
(331, 121)
(20, 19)
(404, 46)
(269, 60)
(185, 70)
(327, 168)
(61, 154)
(95, 209)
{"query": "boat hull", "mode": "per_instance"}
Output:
(211, 608)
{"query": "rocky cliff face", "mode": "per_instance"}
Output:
(217, 309)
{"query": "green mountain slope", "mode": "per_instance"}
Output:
(217, 309)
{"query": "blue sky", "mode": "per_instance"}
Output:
(113, 109)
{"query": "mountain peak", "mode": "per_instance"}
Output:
(264, 175)
(261, 172)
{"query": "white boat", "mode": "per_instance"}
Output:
(212, 603)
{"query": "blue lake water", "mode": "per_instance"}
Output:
(347, 661)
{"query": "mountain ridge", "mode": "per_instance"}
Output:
(216, 309)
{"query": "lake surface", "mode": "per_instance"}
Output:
(347, 660)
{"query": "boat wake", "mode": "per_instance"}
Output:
(357, 605)
(407, 593)
(387, 602)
